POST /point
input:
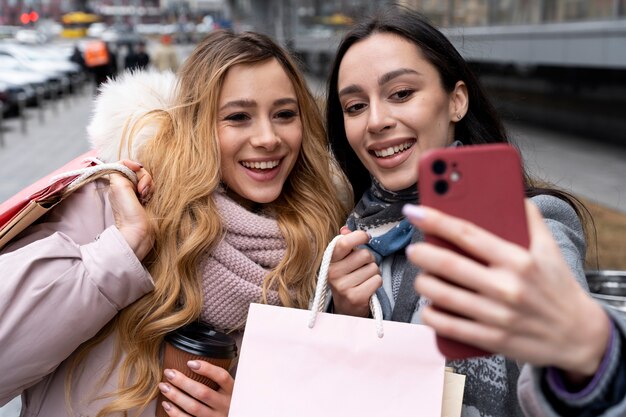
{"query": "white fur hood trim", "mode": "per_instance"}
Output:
(122, 102)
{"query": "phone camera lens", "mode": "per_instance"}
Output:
(439, 167)
(441, 187)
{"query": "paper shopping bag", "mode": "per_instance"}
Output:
(28, 205)
(308, 363)
(453, 389)
(340, 367)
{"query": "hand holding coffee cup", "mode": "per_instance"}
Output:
(185, 352)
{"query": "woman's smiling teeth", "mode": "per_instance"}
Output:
(392, 150)
(261, 165)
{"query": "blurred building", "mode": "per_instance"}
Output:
(508, 12)
(558, 63)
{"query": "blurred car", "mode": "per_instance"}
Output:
(8, 102)
(120, 34)
(33, 84)
(10, 95)
(60, 73)
(31, 36)
(96, 29)
(58, 57)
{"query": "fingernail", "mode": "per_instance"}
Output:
(409, 249)
(167, 406)
(413, 212)
(369, 236)
(169, 374)
(164, 387)
(193, 365)
(344, 229)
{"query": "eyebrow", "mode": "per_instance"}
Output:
(394, 74)
(385, 78)
(239, 103)
(252, 103)
(284, 101)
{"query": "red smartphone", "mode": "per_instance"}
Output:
(480, 183)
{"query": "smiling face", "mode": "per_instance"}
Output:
(259, 130)
(395, 107)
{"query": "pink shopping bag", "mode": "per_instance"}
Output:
(306, 363)
(32, 202)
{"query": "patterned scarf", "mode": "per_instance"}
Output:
(379, 212)
(233, 274)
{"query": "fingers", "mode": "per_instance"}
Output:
(353, 275)
(189, 397)
(130, 217)
(467, 236)
(541, 238)
(463, 302)
(348, 243)
(465, 330)
(145, 184)
(354, 300)
(498, 284)
(215, 373)
(135, 166)
(355, 259)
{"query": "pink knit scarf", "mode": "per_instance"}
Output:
(232, 275)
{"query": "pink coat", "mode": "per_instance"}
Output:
(62, 280)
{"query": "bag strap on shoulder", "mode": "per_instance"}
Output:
(84, 175)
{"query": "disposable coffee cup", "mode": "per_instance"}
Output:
(196, 341)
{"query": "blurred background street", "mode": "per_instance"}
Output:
(556, 70)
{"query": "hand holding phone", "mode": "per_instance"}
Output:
(482, 184)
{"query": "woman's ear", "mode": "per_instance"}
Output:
(459, 101)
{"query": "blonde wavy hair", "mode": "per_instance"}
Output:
(184, 160)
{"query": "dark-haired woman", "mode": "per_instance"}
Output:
(397, 88)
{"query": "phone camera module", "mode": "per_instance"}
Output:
(439, 166)
(441, 187)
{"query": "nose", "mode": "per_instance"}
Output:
(379, 117)
(265, 136)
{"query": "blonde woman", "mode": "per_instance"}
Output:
(242, 176)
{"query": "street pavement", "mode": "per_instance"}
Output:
(57, 134)
(46, 144)
(587, 167)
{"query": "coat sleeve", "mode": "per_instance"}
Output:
(535, 395)
(607, 397)
(61, 281)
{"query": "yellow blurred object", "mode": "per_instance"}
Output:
(75, 24)
(79, 17)
(338, 19)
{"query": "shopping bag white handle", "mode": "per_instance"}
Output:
(84, 174)
(322, 288)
